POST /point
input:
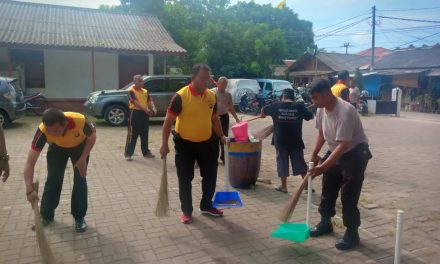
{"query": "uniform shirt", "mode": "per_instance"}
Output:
(224, 100)
(77, 130)
(288, 120)
(194, 113)
(141, 95)
(342, 124)
(340, 90)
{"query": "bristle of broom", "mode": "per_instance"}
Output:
(43, 243)
(263, 133)
(162, 208)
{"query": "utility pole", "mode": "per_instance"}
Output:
(346, 45)
(373, 38)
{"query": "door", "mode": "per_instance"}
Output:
(129, 66)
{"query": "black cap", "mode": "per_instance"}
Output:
(289, 94)
(342, 75)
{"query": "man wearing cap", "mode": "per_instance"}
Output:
(141, 108)
(288, 119)
(340, 89)
(224, 107)
(194, 110)
(70, 136)
(343, 165)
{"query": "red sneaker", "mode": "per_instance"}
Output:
(213, 212)
(186, 219)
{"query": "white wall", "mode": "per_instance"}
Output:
(3, 55)
(106, 71)
(68, 74)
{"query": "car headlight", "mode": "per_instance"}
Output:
(93, 99)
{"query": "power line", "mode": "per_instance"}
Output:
(330, 33)
(410, 9)
(410, 19)
(419, 39)
(342, 21)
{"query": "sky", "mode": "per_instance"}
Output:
(327, 15)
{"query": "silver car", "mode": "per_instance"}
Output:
(11, 101)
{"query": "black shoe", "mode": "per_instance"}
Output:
(44, 221)
(348, 241)
(324, 227)
(80, 225)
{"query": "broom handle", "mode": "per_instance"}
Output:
(226, 150)
(252, 119)
(291, 204)
(309, 195)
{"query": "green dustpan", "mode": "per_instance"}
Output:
(296, 232)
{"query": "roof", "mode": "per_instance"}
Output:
(288, 62)
(434, 73)
(379, 52)
(394, 72)
(334, 61)
(30, 24)
(418, 58)
(340, 62)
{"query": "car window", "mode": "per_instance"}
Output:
(269, 86)
(175, 84)
(261, 84)
(156, 85)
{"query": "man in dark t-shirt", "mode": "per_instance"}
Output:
(288, 118)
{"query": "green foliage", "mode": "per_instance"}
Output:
(358, 79)
(240, 40)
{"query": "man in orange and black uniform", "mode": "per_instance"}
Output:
(194, 109)
(141, 108)
(340, 89)
(69, 135)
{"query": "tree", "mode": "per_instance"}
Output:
(154, 7)
(358, 79)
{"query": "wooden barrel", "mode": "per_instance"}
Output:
(244, 163)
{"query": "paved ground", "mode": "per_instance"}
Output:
(122, 197)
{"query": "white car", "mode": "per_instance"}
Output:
(238, 87)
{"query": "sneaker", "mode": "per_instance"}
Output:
(213, 212)
(324, 227)
(80, 225)
(44, 221)
(348, 241)
(149, 155)
(186, 219)
(128, 158)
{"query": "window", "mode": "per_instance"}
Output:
(155, 85)
(32, 62)
(175, 84)
(269, 87)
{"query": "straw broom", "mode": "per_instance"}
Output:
(288, 209)
(43, 243)
(263, 133)
(163, 205)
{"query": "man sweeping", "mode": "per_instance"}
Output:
(224, 107)
(194, 109)
(70, 136)
(288, 119)
(343, 165)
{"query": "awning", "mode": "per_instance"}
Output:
(308, 73)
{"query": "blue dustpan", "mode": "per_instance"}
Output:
(227, 198)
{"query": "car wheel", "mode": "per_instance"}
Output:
(4, 119)
(116, 115)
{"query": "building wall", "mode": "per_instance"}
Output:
(106, 71)
(68, 74)
(3, 55)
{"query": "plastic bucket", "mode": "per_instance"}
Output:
(240, 132)
(296, 232)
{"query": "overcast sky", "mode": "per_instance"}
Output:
(324, 13)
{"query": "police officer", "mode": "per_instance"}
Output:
(343, 165)
(141, 108)
(194, 109)
(340, 88)
(70, 136)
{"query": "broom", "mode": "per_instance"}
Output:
(163, 205)
(263, 133)
(43, 243)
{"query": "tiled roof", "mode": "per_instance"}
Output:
(340, 62)
(60, 26)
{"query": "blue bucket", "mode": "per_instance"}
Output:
(224, 200)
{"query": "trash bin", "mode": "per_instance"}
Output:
(244, 163)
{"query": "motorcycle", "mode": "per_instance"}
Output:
(363, 104)
(248, 105)
(36, 102)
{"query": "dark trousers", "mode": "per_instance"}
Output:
(206, 155)
(224, 120)
(137, 126)
(56, 165)
(346, 175)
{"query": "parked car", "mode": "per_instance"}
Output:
(273, 86)
(239, 87)
(11, 101)
(112, 105)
